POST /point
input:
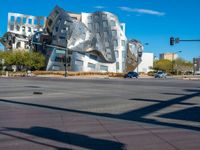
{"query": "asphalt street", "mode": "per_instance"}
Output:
(62, 114)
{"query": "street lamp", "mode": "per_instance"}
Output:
(66, 53)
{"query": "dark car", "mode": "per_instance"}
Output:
(160, 74)
(131, 75)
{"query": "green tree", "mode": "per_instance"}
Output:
(23, 59)
(182, 66)
(164, 65)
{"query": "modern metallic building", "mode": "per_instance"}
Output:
(86, 41)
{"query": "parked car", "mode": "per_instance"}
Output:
(160, 74)
(131, 74)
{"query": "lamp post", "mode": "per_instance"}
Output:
(66, 53)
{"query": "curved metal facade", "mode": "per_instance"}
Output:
(95, 42)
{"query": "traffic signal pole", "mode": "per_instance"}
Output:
(177, 40)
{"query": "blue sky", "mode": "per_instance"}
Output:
(150, 21)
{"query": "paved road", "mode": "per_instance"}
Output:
(141, 114)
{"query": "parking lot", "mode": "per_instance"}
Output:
(98, 114)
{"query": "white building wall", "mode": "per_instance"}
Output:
(146, 63)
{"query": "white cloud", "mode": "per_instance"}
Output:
(142, 11)
(99, 7)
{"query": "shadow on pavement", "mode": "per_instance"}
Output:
(66, 138)
(137, 114)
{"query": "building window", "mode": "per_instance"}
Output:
(35, 21)
(113, 23)
(42, 22)
(98, 36)
(105, 34)
(79, 62)
(115, 43)
(61, 37)
(108, 56)
(94, 57)
(107, 44)
(92, 66)
(96, 17)
(108, 51)
(105, 24)
(23, 29)
(29, 21)
(123, 56)
(11, 27)
(89, 18)
(97, 26)
(24, 21)
(18, 20)
(114, 33)
(123, 42)
(18, 45)
(103, 68)
(55, 14)
(12, 19)
(117, 65)
(116, 54)
(56, 29)
(29, 29)
(104, 16)
(90, 25)
(18, 28)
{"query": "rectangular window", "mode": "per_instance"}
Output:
(98, 36)
(114, 33)
(97, 26)
(96, 17)
(113, 23)
(79, 62)
(89, 18)
(105, 34)
(90, 25)
(24, 21)
(108, 51)
(123, 56)
(117, 65)
(55, 14)
(103, 68)
(35, 21)
(104, 16)
(29, 21)
(107, 44)
(18, 20)
(92, 66)
(29, 29)
(116, 54)
(42, 22)
(94, 57)
(105, 24)
(11, 27)
(115, 43)
(123, 42)
(56, 29)
(61, 37)
(12, 19)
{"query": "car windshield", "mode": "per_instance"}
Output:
(160, 72)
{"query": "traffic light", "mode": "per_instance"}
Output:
(172, 41)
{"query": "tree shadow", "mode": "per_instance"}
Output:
(66, 138)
